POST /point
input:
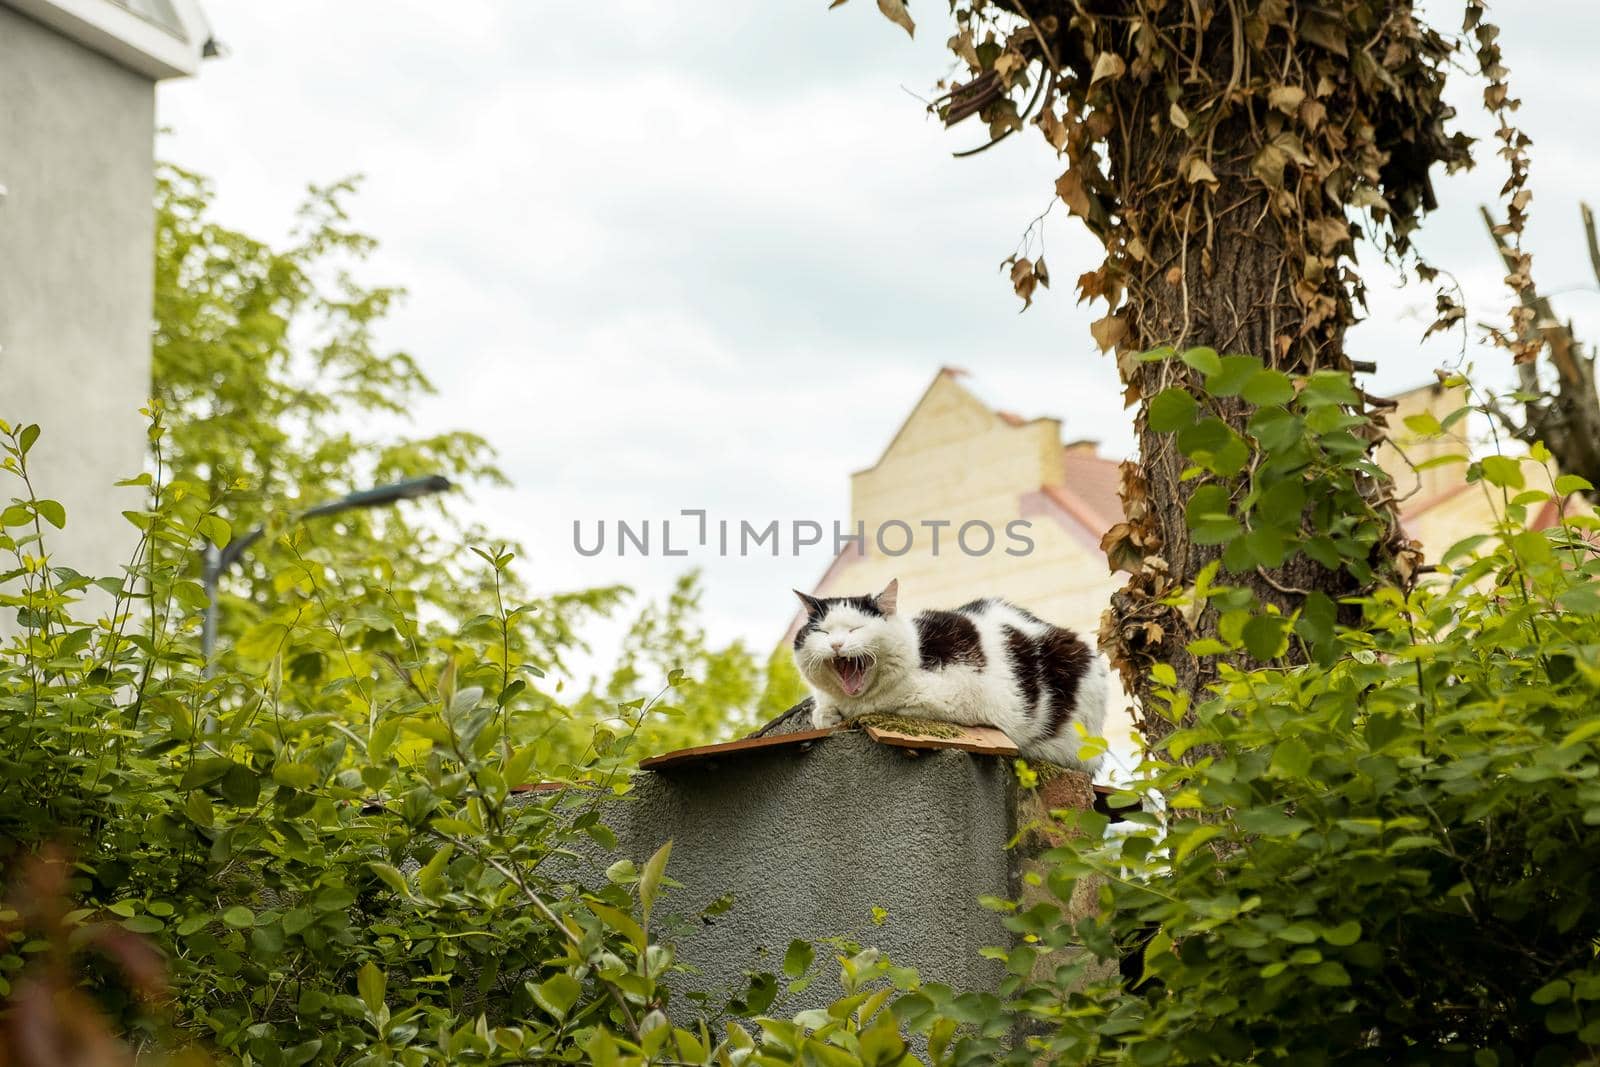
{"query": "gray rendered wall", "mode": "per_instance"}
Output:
(76, 232)
(809, 841)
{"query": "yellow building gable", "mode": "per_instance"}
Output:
(995, 506)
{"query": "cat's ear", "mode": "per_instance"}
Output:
(887, 599)
(812, 604)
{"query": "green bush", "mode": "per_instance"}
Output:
(1389, 854)
(326, 839)
(1376, 849)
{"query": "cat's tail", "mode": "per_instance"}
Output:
(792, 721)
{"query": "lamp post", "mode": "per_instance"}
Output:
(217, 562)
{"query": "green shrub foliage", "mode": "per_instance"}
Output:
(330, 840)
(1385, 855)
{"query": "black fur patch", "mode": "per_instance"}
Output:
(864, 604)
(1063, 661)
(983, 604)
(948, 639)
(1023, 651)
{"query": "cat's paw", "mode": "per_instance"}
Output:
(825, 718)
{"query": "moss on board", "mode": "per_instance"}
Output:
(1045, 770)
(904, 724)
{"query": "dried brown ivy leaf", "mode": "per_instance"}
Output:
(1069, 187)
(1109, 331)
(895, 11)
(1107, 65)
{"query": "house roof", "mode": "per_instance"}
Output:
(156, 38)
(1093, 483)
(1086, 503)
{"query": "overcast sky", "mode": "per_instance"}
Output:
(671, 256)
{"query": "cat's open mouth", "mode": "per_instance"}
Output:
(853, 672)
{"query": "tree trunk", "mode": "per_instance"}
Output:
(1219, 150)
(1219, 273)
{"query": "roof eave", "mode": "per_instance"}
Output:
(123, 36)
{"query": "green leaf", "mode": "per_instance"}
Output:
(215, 529)
(203, 772)
(29, 434)
(240, 786)
(1268, 388)
(1567, 484)
(1581, 599)
(392, 877)
(556, 995)
(1326, 387)
(1266, 636)
(1502, 471)
(199, 809)
(1329, 973)
(1207, 514)
(1202, 359)
(1291, 759)
(1232, 375)
(371, 984)
(239, 917)
(1550, 992)
(797, 959)
(650, 879)
(1425, 423)
(1171, 409)
(621, 922)
(1194, 839)
(295, 775)
(52, 512)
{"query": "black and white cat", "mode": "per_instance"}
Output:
(988, 663)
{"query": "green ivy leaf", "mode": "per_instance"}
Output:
(1232, 374)
(1267, 388)
(1171, 409)
(1266, 636)
(1202, 359)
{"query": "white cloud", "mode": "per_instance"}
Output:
(667, 256)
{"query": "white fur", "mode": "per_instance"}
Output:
(970, 696)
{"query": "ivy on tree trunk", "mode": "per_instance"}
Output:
(1227, 153)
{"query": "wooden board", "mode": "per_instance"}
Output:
(729, 748)
(983, 740)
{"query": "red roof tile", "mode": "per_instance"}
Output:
(1093, 482)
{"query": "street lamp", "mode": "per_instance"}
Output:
(217, 562)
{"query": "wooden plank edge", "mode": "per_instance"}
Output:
(967, 743)
(728, 748)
